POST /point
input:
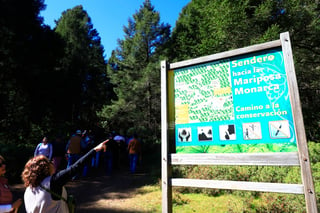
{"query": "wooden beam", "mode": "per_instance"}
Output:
(261, 159)
(239, 185)
(165, 167)
(306, 173)
(227, 54)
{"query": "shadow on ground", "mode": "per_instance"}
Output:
(93, 192)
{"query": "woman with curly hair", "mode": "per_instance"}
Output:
(45, 187)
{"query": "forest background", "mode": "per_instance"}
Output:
(54, 81)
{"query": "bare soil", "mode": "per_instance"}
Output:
(96, 192)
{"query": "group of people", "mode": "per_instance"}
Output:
(123, 152)
(45, 190)
(44, 179)
(57, 150)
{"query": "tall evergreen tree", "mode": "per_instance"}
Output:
(84, 75)
(134, 69)
(206, 27)
(26, 56)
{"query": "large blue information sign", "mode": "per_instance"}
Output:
(238, 104)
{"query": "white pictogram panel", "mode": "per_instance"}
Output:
(279, 129)
(252, 131)
(227, 132)
(205, 133)
(184, 135)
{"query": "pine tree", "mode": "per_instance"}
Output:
(26, 58)
(134, 69)
(84, 74)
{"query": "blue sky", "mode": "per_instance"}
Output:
(109, 16)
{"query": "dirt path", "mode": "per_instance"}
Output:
(96, 192)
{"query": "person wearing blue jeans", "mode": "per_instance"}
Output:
(134, 148)
(109, 154)
(133, 158)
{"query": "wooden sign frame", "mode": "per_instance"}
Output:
(299, 158)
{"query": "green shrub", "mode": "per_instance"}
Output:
(280, 203)
(179, 199)
(314, 151)
(16, 156)
(268, 202)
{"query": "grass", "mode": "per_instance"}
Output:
(205, 203)
(149, 199)
(145, 199)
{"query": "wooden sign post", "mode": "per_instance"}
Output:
(239, 107)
